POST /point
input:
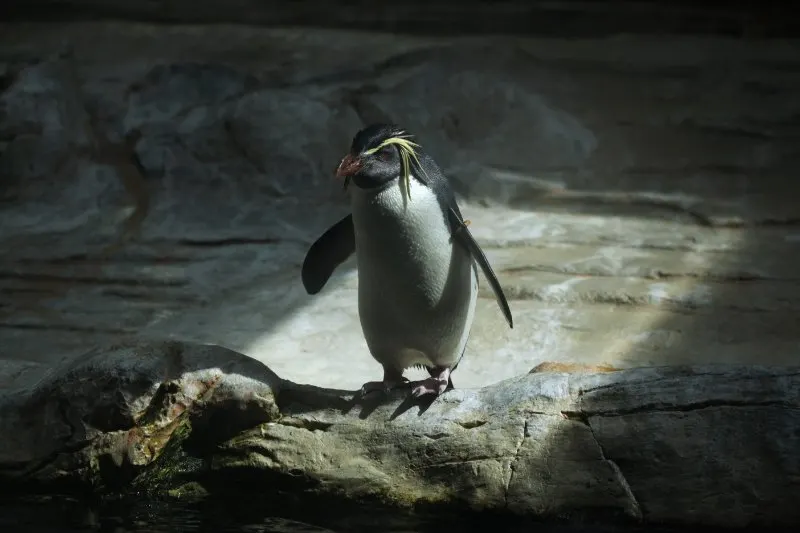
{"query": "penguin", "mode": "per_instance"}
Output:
(417, 261)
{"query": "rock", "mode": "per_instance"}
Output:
(710, 446)
(121, 405)
(630, 192)
(571, 368)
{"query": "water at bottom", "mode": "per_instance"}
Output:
(71, 516)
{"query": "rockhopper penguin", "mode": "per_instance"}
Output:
(417, 261)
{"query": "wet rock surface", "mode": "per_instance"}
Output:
(634, 194)
(188, 421)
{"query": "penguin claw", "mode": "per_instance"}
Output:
(372, 386)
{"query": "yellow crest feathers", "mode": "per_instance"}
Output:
(407, 150)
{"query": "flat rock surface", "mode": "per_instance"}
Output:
(637, 196)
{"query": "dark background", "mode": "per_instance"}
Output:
(750, 19)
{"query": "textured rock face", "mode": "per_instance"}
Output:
(704, 445)
(633, 194)
(120, 406)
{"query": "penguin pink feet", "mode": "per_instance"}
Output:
(436, 384)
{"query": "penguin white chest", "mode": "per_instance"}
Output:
(417, 286)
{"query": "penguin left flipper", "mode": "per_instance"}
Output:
(462, 234)
(328, 252)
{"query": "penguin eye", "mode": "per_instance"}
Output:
(385, 154)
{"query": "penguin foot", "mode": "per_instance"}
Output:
(391, 380)
(436, 384)
(377, 386)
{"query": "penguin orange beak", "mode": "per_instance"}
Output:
(348, 166)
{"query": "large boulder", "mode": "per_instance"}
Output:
(690, 445)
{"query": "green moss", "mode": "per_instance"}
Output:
(188, 492)
(411, 496)
(92, 474)
(174, 469)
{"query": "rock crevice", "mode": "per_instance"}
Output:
(623, 482)
(513, 461)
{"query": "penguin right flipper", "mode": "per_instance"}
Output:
(328, 252)
(463, 235)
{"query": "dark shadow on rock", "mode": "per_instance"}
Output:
(423, 403)
(737, 423)
(301, 398)
(296, 399)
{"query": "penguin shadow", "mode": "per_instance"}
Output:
(369, 403)
(423, 403)
(296, 399)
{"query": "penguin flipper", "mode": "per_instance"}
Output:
(462, 234)
(328, 252)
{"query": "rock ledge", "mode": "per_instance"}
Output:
(685, 445)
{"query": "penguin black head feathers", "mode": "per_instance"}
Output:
(378, 154)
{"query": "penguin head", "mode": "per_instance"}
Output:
(379, 154)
